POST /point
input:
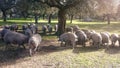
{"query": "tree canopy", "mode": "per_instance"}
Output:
(81, 8)
(6, 5)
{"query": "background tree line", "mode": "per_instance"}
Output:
(84, 10)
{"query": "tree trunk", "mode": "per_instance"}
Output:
(71, 18)
(61, 21)
(11, 15)
(79, 17)
(49, 18)
(43, 16)
(36, 19)
(4, 16)
(103, 18)
(108, 19)
(24, 14)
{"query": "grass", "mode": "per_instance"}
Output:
(68, 59)
(88, 57)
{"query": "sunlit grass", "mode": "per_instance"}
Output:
(98, 26)
(49, 37)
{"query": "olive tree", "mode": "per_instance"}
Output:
(118, 12)
(105, 8)
(63, 5)
(6, 5)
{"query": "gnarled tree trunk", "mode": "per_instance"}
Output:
(43, 16)
(49, 18)
(4, 16)
(36, 19)
(108, 18)
(71, 19)
(61, 21)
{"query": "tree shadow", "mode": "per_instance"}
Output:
(11, 55)
(86, 49)
(53, 48)
(112, 50)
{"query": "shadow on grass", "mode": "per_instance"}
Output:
(86, 49)
(112, 50)
(11, 55)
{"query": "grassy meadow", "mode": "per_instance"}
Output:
(62, 57)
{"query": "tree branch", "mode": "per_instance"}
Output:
(51, 3)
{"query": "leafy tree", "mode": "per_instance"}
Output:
(31, 7)
(71, 12)
(81, 10)
(118, 11)
(6, 5)
(23, 7)
(36, 9)
(105, 8)
(63, 5)
(51, 12)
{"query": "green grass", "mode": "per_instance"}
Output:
(88, 57)
(98, 26)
